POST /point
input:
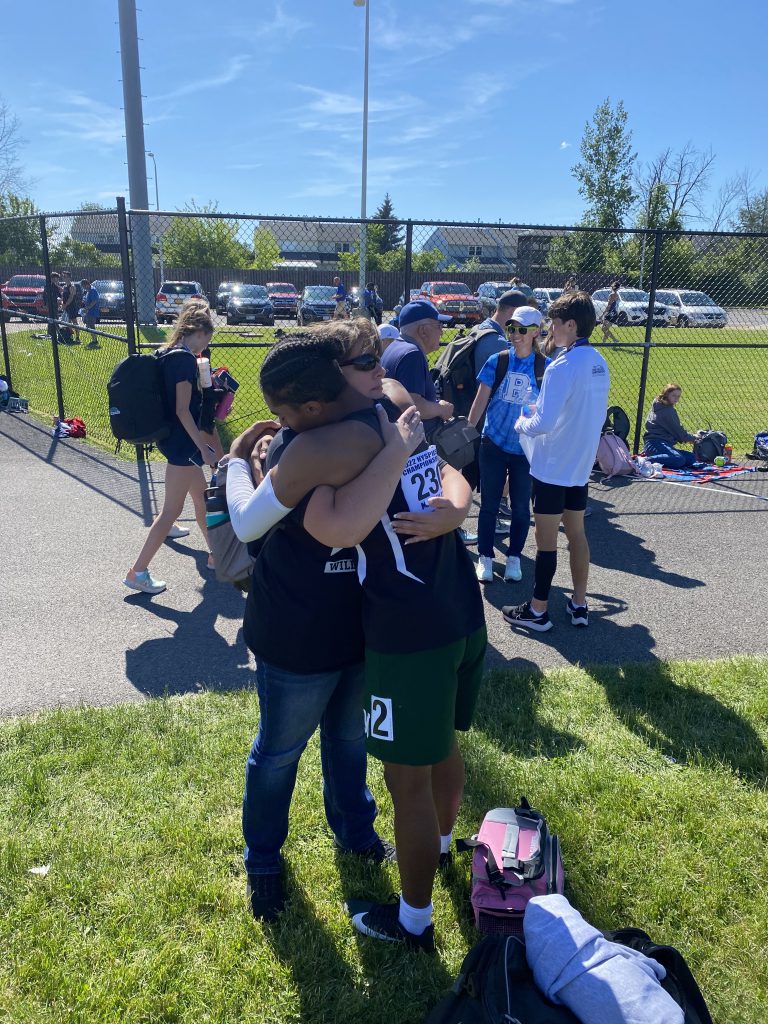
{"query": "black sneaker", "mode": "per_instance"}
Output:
(380, 921)
(377, 853)
(579, 613)
(523, 615)
(504, 509)
(266, 895)
(446, 861)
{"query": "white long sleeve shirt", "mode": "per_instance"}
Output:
(570, 411)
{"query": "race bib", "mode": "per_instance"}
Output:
(421, 480)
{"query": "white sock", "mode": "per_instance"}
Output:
(532, 609)
(445, 843)
(415, 920)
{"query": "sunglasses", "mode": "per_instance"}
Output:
(513, 328)
(364, 363)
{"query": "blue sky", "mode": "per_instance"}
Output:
(476, 106)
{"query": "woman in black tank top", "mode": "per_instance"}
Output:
(424, 625)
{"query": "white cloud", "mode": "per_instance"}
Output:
(338, 104)
(95, 121)
(565, 145)
(278, 26)
(233, 70)
(243, 167)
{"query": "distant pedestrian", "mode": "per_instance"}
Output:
(570, 286)
(340, 297)
(91, 300)
(518, 285)
(611, 314)
(71, 299)
(371, 302)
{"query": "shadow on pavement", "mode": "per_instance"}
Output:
(193, 656)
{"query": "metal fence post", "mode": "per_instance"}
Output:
(408, 261)
(125, 263)
(53, 314)
(6, 356)
(648, 338)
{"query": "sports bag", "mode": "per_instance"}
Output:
(456, 441)
(613, 457)
(679, 983)
(454, 371)
(711, 444)
(616, 421)
(496, 986)
(232, 559)
(761, 445)
(137, 405)
(516, 858)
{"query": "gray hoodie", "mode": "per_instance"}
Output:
(663, 424)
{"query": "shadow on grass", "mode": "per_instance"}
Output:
(193, 657)
(682, 722)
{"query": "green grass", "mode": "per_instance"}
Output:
(722, 387)
(654, 777)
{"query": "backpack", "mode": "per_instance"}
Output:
(516, 858)
(617, 422)
(456, 441)
(233, 560)
(761, 445)
(502, 368)
(137, 406)
(613, 457)
(454, 371)
(711, 444)
(496, 986)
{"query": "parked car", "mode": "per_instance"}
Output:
(24, 294)
(223, 293)
(353, 300)
(414, 293)
(692, 309)
(488, 294)
(316, 303)
(249, 304)
(284, 298)
(545, 297)
(454, 299)
(111, 299)
(173, 295)
(633, 307)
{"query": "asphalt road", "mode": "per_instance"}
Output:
(679, 572)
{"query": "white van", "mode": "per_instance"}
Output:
(692, 309)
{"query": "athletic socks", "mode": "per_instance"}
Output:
(445, 843)
(415, 920)
(544, 571)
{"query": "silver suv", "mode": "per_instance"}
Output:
(692, 309)
(173, 295)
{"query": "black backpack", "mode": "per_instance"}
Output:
(137, 408)
(711, 444)
(616, 422)
(502, 368)
(496, 986)
(454, 371)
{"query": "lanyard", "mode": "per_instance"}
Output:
(579, 343)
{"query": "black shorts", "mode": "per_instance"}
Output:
(554, 499)
(179, 449)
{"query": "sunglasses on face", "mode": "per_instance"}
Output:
(364, 363)
(513, 328)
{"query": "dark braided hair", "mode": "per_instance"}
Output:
(303, 368)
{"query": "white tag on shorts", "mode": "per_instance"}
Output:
(421, 480)
(379, 724)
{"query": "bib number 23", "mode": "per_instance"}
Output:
(421, 480)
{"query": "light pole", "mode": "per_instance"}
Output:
(157, 207)
(361, 282)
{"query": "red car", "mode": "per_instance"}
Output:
(453, 299)
(23, 294)
(284, 299)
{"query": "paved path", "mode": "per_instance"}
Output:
(678, 573)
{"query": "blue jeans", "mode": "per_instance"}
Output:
(496, 466)
(673, 458)
(292, 706)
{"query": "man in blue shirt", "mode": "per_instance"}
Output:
(492, 329)
(405, 359)
(340, 297)
(91, 301)
(501, 455)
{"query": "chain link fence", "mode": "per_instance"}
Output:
(692, 306)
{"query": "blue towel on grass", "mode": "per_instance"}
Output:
(601, 982)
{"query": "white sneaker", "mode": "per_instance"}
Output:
(177, 531)
(513, 573)
(144, 582)
(484, 569)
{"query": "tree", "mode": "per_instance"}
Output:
(80, 254)
(11, 173)
(266, 251)
(391, 236)
(679, 179)
(604, 172)
(20, 241)
(204, 241)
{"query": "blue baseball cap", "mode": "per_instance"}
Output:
(420, 309)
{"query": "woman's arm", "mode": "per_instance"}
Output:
(480, 404)
(447, 515)
(183, 398)
(342, 518)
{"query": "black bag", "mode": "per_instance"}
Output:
(679, 983)
(454, 371)
(710, 445)
(137, 407)
(496, 986)
(456, 441)
(616, 422)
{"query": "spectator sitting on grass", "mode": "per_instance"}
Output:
(663, 430)
(91, 301)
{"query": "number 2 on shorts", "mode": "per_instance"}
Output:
(381, 726)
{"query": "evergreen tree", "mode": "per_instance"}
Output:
(391, 235)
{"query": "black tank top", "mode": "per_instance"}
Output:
(304, 610)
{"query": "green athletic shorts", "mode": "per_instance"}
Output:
(415, 702)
